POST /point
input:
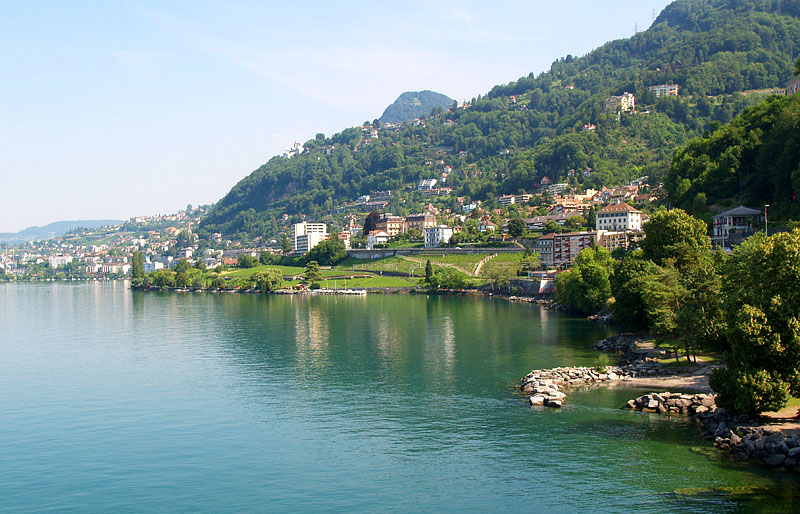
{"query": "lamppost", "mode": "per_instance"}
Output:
(766, 229)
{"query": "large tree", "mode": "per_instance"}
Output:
(137, 268)
(674, 235)
(762, 303)
(329, 253)
(586, 287)
(312, 273)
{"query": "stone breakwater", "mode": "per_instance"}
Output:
(745, 441)
(544, 385)
(674, 403)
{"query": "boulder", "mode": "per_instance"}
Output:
(794, 452)
(553, 403)
(537, 400)
(775, 460)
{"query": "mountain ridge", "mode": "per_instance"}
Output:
(555, 124)
(412, 105)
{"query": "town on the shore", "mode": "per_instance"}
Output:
(557, 222)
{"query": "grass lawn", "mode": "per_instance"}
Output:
(242, 273)
(701, 359)
(466, 262)
(503, 261)
(396, 264)
(375, 281)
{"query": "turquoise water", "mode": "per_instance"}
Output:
(120, 401)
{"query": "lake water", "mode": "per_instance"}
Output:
(121, 401)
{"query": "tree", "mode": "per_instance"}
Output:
(762, 303)
(182, 266)
(586, 287)
(269, 280)
(516, 226)
(797, 66)
(552, 227)
(701, 321)
(247, 261)
(137, 269)
(162, 278)
(371, 221)
(576, 222)
(448, 278)
(674, 235)
(312, 274)
(329, 252)
(629, 286)
(428, 271)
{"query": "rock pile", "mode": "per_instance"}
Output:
(675, 403)
(619, 343)
(745, 441)
(543, 384)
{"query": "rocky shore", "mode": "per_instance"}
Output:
(746, 441)
(739, 435)
(674, 403)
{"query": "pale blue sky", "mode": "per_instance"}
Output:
(117, 109)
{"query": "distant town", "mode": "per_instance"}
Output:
(557, 222)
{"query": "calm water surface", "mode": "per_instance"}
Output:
(120, 401)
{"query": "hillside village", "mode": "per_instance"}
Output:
(556, 219)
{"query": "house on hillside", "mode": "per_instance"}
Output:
(664, 90)
(732, 227)
(621, 103)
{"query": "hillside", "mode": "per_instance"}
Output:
(55, 229)
(415, 104)
(754, 160)
(555, 124)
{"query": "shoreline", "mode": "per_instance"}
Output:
(771, 439)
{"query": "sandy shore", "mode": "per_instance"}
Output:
(694, 383)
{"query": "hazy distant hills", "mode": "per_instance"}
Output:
(415, 104)
(55, 229)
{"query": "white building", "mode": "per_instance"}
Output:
(437, 236)
(664, 90)
(57, 261)
(557, 189)
(426, 184)
(619, 217)
(152, 266)
(377, 237)
(306, 236)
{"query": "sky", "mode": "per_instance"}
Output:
(110, 110)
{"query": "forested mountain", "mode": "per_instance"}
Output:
(754, 160)
(415, 104)
(725, 55)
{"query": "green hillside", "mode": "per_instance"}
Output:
(754, 160)
(724, 55)
(415, 104)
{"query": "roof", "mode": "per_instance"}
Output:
(739, 211)
(620, 207)
(793, 81)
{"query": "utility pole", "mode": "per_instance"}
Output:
(766, 229)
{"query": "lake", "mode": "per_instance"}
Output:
(122, 401)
